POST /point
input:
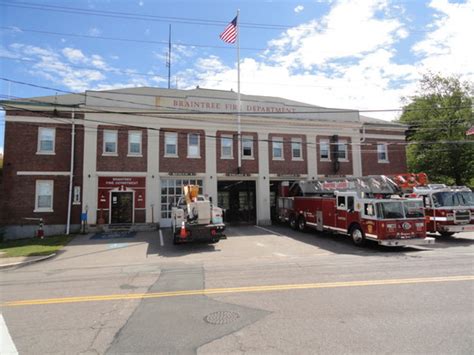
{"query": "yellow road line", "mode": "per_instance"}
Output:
(246, 289)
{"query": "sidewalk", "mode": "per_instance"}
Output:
(22, 260)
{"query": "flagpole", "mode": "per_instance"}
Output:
(239, 144)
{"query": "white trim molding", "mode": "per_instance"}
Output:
(45, 173)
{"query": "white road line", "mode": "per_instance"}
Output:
(260, 244)
(279, 254)
(6, 343)
(270, 231)
(161, 238)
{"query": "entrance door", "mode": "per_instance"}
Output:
(122, 207)
(237, 198)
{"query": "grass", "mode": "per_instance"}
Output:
(34, 246)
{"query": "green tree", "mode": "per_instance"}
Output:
(438, 116)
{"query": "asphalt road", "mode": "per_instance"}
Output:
(274, 291)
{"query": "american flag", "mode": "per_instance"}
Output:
(470, 131)
(230, 33)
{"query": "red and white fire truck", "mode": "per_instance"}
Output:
(448, 209)
(365, 208)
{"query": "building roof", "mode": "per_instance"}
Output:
(200, 100)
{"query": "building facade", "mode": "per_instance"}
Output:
(135, 148)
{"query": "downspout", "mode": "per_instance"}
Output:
(73, 134)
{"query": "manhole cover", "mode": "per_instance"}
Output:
(221, 317)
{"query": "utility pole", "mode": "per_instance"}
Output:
(169, 59)
(73, 134)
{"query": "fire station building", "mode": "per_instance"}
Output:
(125, 154)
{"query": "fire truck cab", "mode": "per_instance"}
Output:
(448, 209)
(364, 208)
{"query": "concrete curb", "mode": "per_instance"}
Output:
(26, 262)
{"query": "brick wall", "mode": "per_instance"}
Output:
(229, 166)
(121, 162)
(288, 165)
(397, 161)
(327, 167)
(183, 164)
(21, 143)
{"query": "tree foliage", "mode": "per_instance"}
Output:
(438, 116)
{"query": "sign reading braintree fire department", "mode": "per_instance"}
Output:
(121, 184)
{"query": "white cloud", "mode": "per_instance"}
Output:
(298, 9)
(74, 55)
(141, 3)
(94, 31)
(448, 47)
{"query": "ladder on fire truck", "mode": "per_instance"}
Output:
(374, 186)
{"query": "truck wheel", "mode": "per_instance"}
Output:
(301, 224)
(446, 234)
(357, 235)
(293, 222)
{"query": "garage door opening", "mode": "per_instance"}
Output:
(237, 198)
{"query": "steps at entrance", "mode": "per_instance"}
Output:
(128, 227)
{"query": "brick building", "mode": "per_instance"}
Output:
(135, 148)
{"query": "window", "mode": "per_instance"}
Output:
(369, 210)
(135, 143)
(382, 153)
(110, 142)
(171, 144)
(193, 145)
(46, 138)
(341, 150)
(247, 146)
(324, 149)
(76, 200)
(44, 196)
(277, 144)
(226, 147)
(341, 202)
(296, 149)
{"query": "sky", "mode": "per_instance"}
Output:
(358, 54)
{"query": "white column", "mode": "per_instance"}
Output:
(210, 180)
(263, 182)
(89, 177)
(152, 177)
(356, 155)
(311, 156)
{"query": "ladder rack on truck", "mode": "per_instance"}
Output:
(365, 208)
(448, 209)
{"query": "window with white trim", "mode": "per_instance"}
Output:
(382, 152)
(324, 149)
(46, 140)
(135, 143)
(341, 150)
(296, 153)
(247, 147)
(110, 142)
(227, 147)
(193, 145)
(44, 196)
(277, 148)
(171, 144)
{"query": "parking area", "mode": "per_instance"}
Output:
(244, 244)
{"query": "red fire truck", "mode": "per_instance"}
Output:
(364, 208)
(448, 209)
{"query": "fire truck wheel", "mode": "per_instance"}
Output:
(357, 235)
(446, 234)
(293, 222)
(301, 224)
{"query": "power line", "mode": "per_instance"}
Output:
(136, 16)
(127, 39)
